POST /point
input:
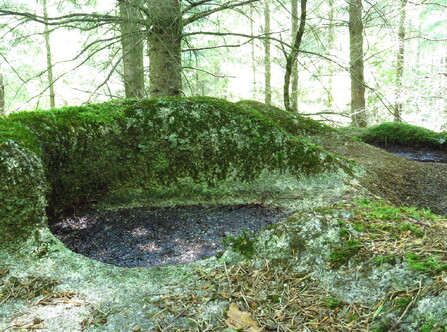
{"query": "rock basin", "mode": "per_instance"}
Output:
(145, 237)
(422, 154)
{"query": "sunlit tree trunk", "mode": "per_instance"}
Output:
(2, 94)
(165, 35)
(132, 45)
(331, 41)
(358, 104)
(253, 54)
(49, 56)
(400, 61)
(293, 55)
(267, 55)
(295, 74)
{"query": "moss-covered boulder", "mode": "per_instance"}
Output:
(293, 123)
(86, 152)
(403, 134)
(22, 194)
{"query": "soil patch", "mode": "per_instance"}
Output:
(145, 237)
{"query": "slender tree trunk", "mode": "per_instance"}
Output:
(2, 94)
(165, 37)
(49, 56)
(132, 44)
(253, 55)
(400, 61)
(331, 40)
(293, 55)
(358, 103)
(295, 73)
(267, 55)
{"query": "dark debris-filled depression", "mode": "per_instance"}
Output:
(145, 237)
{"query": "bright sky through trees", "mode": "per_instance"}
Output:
(211, 69)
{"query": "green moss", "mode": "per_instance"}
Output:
(376, 224)
(398, 133)
(412, 229)
(403, 301)
(333, 302)
(22, 193)
(427, 265)
(341, 254)
(293, 123)
(385, 259)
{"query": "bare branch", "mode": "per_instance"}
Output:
(194, 4)
(207, 72)
(224, 6)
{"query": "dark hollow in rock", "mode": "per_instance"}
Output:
(145, 237)
(423, 154)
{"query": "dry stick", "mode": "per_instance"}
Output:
(175, 318)
(412, 301)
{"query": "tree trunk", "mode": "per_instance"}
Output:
(253, 54)
(165, 36)
(400, 61)
(267, 55)
(49, 56)
(292, 57)
(358, 103)
(2, 94)
(330, 46)
(132, 44)
(295, 74)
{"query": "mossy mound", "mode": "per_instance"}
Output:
(22, 193)
(87, 152)
(398, 133)
(295, 124)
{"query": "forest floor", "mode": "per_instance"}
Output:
(399, 179)
(151, 236)
(56, 290)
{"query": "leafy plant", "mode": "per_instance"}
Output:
(333, 302)
(242, 244)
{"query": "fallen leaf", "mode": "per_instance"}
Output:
(241, 320)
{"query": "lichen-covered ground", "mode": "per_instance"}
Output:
(346, 260)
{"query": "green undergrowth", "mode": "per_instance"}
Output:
(88, 152)
(243, 244)
(386, 235)
(399, 133)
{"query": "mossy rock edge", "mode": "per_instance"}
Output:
(81, 154)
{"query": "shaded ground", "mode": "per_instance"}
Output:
(144, 237)
(401, 180)
(419, 154)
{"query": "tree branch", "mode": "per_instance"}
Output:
(194, 4)
(224, 6)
